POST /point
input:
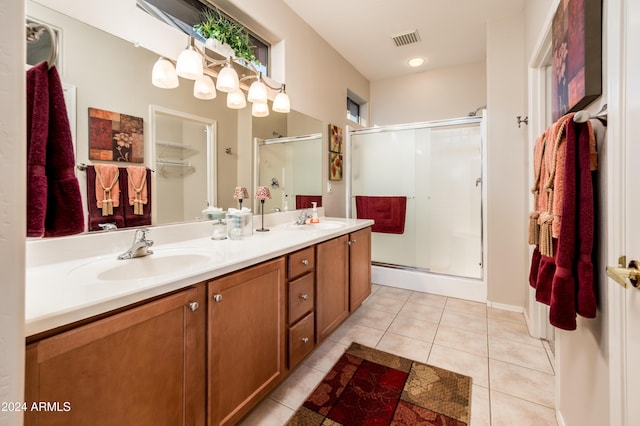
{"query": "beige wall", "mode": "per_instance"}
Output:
(431, 95)
(12, 210)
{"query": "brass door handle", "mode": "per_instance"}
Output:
(621, 275)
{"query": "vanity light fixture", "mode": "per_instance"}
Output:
(194, 64)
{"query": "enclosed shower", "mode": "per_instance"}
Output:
(439, 167)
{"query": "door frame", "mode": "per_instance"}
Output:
(616, 50)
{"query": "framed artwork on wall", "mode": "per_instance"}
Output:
(335, 138)
(115, 137)
(335, 166)
(576, 34)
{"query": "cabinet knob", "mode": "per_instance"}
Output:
(217, 297)
(305, 340)
(304, 296)
(305, 262)
(353, 241)
(349, 242)
(194, 306)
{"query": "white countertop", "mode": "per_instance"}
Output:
(62, 283)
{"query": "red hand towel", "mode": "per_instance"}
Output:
(130, 218)
(387, 212)
(95, 213)
(304, 201)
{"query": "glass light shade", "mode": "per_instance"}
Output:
(228, 80)
(189, 64)
(240, 193)
(236, 100)
(164, 74)
(258, 93)
(262, 193)
(259, 110)
(204, 88)
(281, 103)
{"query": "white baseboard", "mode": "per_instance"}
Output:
(505, 307)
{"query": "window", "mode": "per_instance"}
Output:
(184, 14)
(353, 110)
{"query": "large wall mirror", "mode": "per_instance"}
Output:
(112, 74)
(291, 167)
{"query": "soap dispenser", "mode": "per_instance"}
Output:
(314, 213)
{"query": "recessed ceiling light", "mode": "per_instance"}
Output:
(416, 62)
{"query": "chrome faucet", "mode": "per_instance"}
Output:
(140, 246)
(302, 219)
(108, 226)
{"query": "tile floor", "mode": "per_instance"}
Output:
(513, 375)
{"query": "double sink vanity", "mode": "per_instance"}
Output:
(197, 332)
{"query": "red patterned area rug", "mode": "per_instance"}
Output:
(370, 387)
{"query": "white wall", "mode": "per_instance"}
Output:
(430, 95)
(12, 206)
(507, 192)
(582, 355)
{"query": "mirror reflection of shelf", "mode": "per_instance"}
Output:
(174, 168)
(174, 149)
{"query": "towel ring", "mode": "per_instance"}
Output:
(35, 30)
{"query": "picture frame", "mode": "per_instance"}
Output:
(576, 33)
(335, 166)
(335, 139)
(115, 137)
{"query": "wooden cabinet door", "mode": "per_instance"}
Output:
(332, 285)
(144, 366)
(359, 267)
(246, 326)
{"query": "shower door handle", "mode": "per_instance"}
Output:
(478, 181)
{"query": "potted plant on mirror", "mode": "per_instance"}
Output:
(225, 36)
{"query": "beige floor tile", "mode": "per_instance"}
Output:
(372, 317)
(394, 293)
(351, 332)
(480, 406)
(461, 362)
(507, 410)
(429, 313)
(520, 354)
(463, 320)
(428, 299)
(325, 355)
(268, 413)
(375, 288)
(463, 340)
(417, 350)
(522, 382)
(383, 303)
(505, 315)
(512, 330)
(467, 306)
(297, 387)
(414, 327)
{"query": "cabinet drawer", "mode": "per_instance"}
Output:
(301, 262)
(301, 340)
(301, 298)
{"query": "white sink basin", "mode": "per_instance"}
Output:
(161, 262)
(327, 224)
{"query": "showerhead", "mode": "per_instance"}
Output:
(475, 113)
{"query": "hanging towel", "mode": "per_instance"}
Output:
(54, 203)
(304, 201)
(387, 212)
(137, 188)
(95, 213)
(107, 188)
(132, 219)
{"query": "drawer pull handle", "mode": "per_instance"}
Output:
(194, 306)
(305, 262)
(217, 298)
(304, 296)
(305, 340)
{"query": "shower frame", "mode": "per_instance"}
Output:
(420, 279)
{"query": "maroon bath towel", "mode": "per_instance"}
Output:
(387, 212)
(54, 203)
(95, 213)
(304, 201)
(131, 219)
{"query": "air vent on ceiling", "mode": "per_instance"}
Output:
(408, 38)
